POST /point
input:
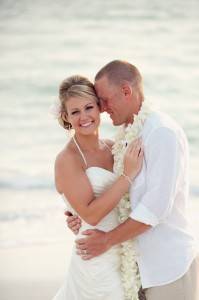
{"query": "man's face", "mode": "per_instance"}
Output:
(112, 100)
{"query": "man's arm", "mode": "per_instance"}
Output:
(126, 231)
(163, 167)
(99, 241)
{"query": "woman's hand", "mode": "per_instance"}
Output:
(133, 159)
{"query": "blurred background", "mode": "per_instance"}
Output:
(43, 42)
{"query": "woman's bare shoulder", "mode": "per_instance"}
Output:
(66, 158)
(109, 143)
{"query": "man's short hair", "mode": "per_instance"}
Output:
(118, 71)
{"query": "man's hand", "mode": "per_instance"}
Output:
(94, 244)
(73, 222)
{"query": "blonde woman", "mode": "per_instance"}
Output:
(85, 179)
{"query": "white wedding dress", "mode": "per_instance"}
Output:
(98, 278)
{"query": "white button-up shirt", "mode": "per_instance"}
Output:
(158, 198)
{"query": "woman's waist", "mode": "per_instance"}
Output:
(108, 223)
(105, 226)
(109, 259)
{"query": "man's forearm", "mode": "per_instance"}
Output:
(126, 231)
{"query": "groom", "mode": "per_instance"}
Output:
(166, 252)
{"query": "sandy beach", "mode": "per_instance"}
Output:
(33, 272)
(36, 272)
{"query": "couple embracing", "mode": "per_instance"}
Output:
(127, 199)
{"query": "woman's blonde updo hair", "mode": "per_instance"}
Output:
(74, 86)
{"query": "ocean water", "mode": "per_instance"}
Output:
(41, 43)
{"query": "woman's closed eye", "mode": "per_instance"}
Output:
(74, 112)
(89, 107)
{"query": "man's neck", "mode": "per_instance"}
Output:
(129, 121)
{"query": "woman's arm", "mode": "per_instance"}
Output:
(72, 181)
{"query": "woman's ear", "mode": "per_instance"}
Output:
(65, 117)
(66, 121)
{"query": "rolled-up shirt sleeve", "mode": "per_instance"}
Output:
(162, 157)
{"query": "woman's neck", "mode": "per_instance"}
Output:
(88, 142)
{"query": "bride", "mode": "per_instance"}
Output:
(84, 178)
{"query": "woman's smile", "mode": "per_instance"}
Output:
(87, 124)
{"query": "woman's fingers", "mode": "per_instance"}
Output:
(132, 145)
(140, 150)
(141, 153)
(135, 147)
(141, 156)
(133, 158)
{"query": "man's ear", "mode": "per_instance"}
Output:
(101, 105)
(127, 90)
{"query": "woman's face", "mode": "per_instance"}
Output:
(83, 114)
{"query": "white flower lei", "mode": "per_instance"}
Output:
(129, 269)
